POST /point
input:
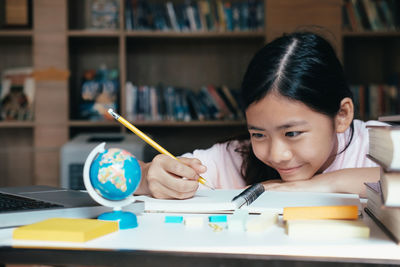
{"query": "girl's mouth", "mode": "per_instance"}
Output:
(288, 170)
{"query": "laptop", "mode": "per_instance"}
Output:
(30, 204)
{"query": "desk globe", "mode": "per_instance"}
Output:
(111, 176)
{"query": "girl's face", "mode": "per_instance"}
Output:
(290, 137)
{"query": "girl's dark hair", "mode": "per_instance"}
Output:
(301, 66)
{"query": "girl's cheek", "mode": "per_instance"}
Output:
(260, 152)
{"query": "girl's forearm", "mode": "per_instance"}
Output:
(348, 180)
(341, 181)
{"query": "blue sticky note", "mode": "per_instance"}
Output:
(173, 219)
(217, 218)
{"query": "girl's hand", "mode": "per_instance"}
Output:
(166, 177)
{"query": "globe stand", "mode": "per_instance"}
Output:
(125, 219)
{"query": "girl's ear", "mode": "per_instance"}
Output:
(345, 115)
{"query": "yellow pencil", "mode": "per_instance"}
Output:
(150, 141)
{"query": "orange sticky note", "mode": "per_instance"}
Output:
(320, 213)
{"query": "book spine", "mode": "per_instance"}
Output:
(212, 108)
(228, 16)
(221, 16)
(172, 16)
(154, 113)
(226, 113)
(130, 94)
(169, 95)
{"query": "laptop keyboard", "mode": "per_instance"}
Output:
(14, 203)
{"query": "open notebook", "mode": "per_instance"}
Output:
(219, 201)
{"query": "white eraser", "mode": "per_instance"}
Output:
(236, 221)
(194, 221)
(262, 222)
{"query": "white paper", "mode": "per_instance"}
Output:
(214, 201)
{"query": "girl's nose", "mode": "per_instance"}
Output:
(280, 152)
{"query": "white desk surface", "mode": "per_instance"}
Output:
(153, 234)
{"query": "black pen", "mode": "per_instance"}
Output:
(248, 195)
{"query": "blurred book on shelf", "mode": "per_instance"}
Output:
(99, 92)
(371, 15)
(16, 13)
(17, 94)
(195, 15)
(372, 101)
(172, 103)
(102, 14)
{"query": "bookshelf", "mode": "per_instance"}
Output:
(16, 137)
(58, 38)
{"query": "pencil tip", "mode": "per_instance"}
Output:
(209, 186)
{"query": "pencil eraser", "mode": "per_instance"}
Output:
(236, 221)
(217, 218)
(173, 219)
(261, 222)
(193, 221)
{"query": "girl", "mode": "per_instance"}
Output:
(302, 136)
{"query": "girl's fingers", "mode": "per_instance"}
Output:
(194, 163)
(184, 167)
(173, 188)
(169, 178)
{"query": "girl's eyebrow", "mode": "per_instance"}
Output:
(251, 127)
(290, 124)
(283, 126)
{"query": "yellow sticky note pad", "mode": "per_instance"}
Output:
(320, 213)
(65, 230)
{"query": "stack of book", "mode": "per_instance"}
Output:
(370, 15)
(195, 16)
(170, 103)
(384, 196)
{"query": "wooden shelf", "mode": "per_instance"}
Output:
(189, 124)
(94, 33)
(17, 124)
(371, 34)
(80, 123)
(23, 33)
(160, 34)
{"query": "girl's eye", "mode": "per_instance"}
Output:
(292, 134)
(257, 135)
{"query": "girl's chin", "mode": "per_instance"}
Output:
(294, 178)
